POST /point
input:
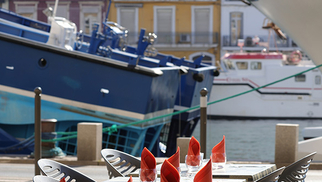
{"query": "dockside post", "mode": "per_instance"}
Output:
(203, 120)
(37, 148)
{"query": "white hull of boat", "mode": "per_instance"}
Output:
(256, 105)
(298, 96)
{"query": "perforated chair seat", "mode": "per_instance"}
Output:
(297, 171)
(57, 170)
(273, 176)
(119, 163)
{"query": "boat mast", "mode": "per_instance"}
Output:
(108, 9)
(55, 8)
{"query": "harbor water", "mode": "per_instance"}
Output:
(248, 140)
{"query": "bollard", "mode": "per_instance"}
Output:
(183, 143)
(203, 120)
(286, 144)
(89, 141)
(37, 148)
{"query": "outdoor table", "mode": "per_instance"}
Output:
(248, 172)
(182, 179)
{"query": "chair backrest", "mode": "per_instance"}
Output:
(40, 178)
(297, 170)
(273, 176)
(57, 170)
(119, 163)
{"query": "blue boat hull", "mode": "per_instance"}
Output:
(97, 82)
(80, 87)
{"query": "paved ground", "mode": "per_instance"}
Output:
(21, 169)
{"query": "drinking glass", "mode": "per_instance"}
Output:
(218, 160)
(148, 175)
(194, 162)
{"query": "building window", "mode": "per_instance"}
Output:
(27, 8)
(62, 9)
(255, 65)
(201, 25)
(242, 65)
(90, 13)
(128, 18)
(300, 78)
(236, 27)
(208, 58)
(164, 24)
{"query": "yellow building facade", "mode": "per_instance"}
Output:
(183, 28)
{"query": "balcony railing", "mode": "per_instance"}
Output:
(272, 41)
(206, 38)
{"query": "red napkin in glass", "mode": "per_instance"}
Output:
(131, 179)
(217, 151)
(205, 174)
(193, 152)
(175, 159)
(62, 179)
(169, 173)
(147, 162)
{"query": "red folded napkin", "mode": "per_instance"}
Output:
(148, 163)
(175, 159)
(218, 150)
(193, 152)
(62, 179)
(205, 174)
(169, 173)
(131, 179)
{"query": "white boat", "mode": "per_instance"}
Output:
(297, 97)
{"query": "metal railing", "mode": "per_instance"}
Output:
(271, 41)
(164, 38)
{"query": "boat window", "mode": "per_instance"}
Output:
(318, 80)
(242, 65)
(256, 65)
(300, 78)
(229, 64)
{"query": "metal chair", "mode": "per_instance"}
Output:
(119, 163)
(57, 170)
(297, 170)
(273, 176)
(40, 178)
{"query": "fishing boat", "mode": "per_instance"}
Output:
(95, 78)
(244, 90)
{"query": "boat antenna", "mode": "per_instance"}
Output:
(55, 8)
(108, 9)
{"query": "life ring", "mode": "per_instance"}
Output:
(296, 57)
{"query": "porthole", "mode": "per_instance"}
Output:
(42, 62)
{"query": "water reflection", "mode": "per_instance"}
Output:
(248, 140)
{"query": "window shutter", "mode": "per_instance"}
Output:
(164, 26)
(127, 20)
(202, 18)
